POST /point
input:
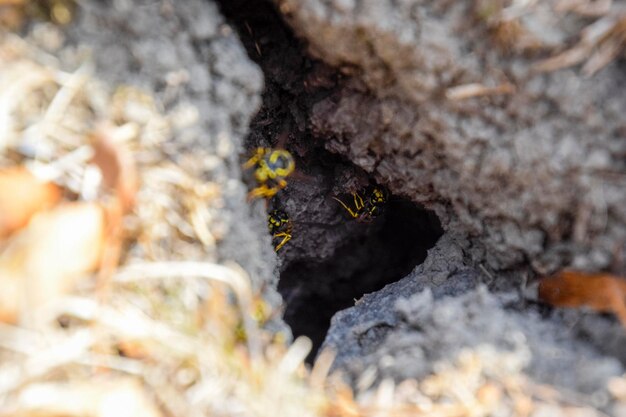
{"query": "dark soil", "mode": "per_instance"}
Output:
(332, 259)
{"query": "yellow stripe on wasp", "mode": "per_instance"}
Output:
(271, 167)
(280, 226)
(367, 207)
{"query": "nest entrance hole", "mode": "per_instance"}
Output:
(332, 260)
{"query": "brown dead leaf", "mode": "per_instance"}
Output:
(602, 292)
(119, 177)
(11, 15)
(124, 397)
(46, 259)
(21, 196)
(118, 169)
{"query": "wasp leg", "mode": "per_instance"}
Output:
(366, 217)
(257, 192)
(262, 191)
(255, 158)
(286, 238)
(265, 191)
(358, 201)
(348, 209)
(281, 184)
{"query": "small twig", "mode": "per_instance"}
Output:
(116, 363)
(466, 91)
(295, 356)
(64, 97)
(487, 273)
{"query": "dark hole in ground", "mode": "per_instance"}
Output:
(367, 261)
(332, 260)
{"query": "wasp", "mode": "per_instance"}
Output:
(280, 226)
(271, 167)
(366, 209)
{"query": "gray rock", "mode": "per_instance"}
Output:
(404, 330)
(360, 330)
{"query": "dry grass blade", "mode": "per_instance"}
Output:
(599, 44)
(50, 356)
(606, 53)
(18, 340)
(295, 356)
(466, 91)
(566, 59)
(321, 369)
(70, 87)
(590, 8)
(19, 79)
(232, 277)
(385, 394)
(122, 397)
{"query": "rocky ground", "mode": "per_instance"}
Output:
(501, 167)
(526, 177)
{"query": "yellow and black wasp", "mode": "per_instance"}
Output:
(271, 167)
(367, 207)
(280, 226)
